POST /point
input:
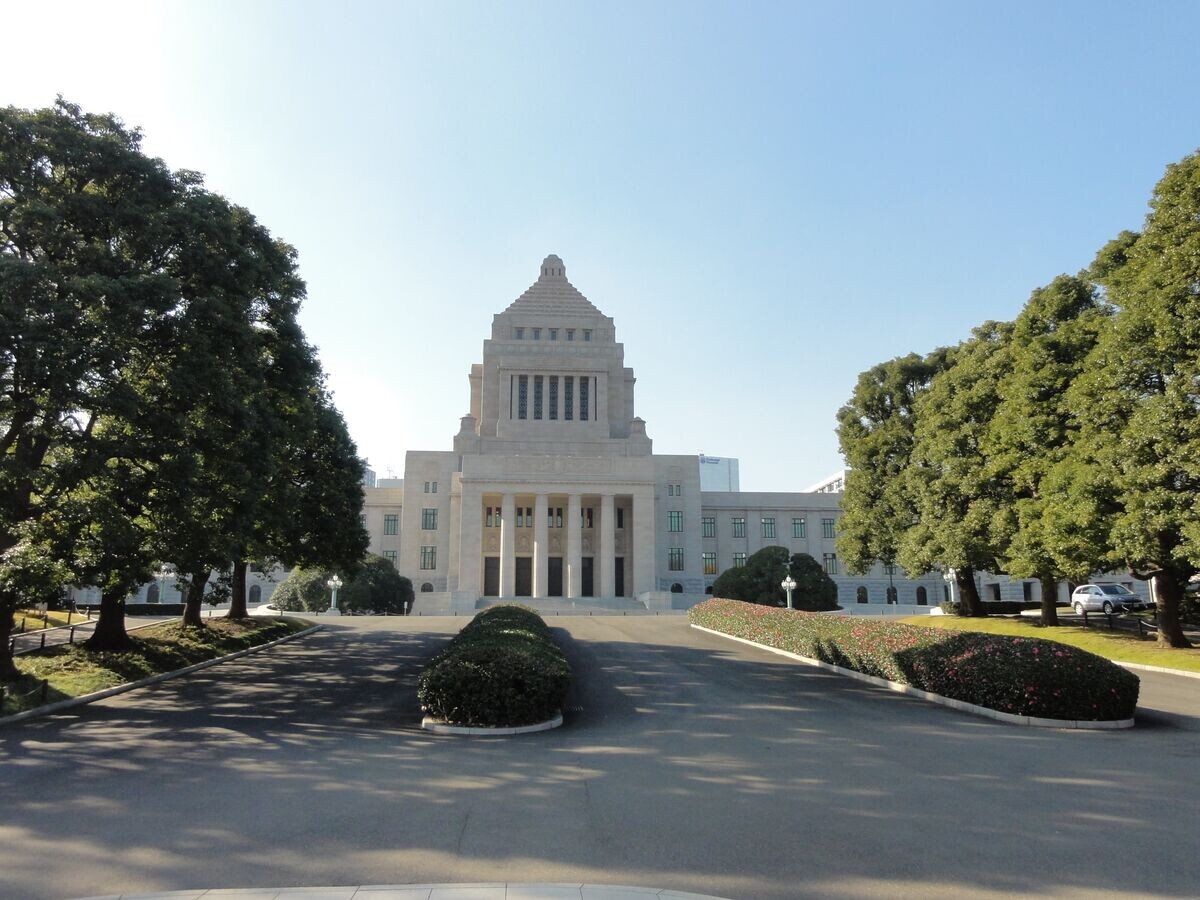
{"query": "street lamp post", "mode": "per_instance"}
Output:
(950, 576)
(789, 585)
(162, 575)
(333, 584)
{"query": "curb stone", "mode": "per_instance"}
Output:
(961, 705)
(71, 702)
(1163, 669)
(437, 726)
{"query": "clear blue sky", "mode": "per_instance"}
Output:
(768, 199)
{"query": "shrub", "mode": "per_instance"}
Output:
(502, 669)
(992, 607)
(1023, 676)
(376, 587)
(758, 581)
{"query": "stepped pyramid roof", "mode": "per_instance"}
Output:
(553, 294)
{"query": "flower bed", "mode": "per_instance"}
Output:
(502, 669)
(1022, 676)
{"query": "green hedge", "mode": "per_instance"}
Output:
(1023, 676)
(994, 607)
(502, 669)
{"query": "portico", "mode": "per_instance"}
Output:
(559, 541)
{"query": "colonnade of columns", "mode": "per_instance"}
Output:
(638, 551)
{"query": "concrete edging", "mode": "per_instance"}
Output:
(960, 705)
(437, 726)
(1163, 669)
(59, 705)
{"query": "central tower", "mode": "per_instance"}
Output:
(553, 379)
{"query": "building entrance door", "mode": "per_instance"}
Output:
(586, 588)
(491, 576)
(619, 578)
(554, 577)
(524, 575)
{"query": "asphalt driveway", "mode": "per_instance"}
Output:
(687, 762)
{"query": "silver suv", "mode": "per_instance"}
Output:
(1106, 598)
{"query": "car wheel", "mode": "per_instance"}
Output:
(1078, 608)
(1108, 607)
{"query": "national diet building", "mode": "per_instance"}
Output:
(551, 492)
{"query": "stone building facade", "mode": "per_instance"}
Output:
(551, 491)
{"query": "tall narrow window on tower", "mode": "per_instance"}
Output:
(522, 396)
(568, 397)
(537, 396)
(553, 397)
(583, 399)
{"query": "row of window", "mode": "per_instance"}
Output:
(524, 516)
(709, 558)
(429, 519)
(675, 564)
(708, 526)
(891, 595)
(535, 334)
(554, 517)
(546, 395)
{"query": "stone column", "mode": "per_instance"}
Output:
(645, 557)
(470, 540)
(608, 547)
(508, 546)
(541, 547)
(574, 547)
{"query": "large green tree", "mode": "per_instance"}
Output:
(1034, 428)
(376, 588)
(759, 579)
(1128, 494)
(89, 227)
(951, 485)
(875, 430)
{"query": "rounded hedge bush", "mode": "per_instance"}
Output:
(502, 669)
(1018, 675)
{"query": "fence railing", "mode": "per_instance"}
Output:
(7, 693)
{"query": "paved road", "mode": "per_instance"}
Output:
(688, 762)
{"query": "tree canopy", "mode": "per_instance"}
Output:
(376, 588)
(158, 401)
(1059, 445)
(758, 581)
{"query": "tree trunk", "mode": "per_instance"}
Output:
(237, 603)
(8, 669)
(1049, 600)
(969, 602)
(1169, 592)
(109, 633)
(195, 599)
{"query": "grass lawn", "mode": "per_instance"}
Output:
(1114, 645)
(34, 620)
(72, 670)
